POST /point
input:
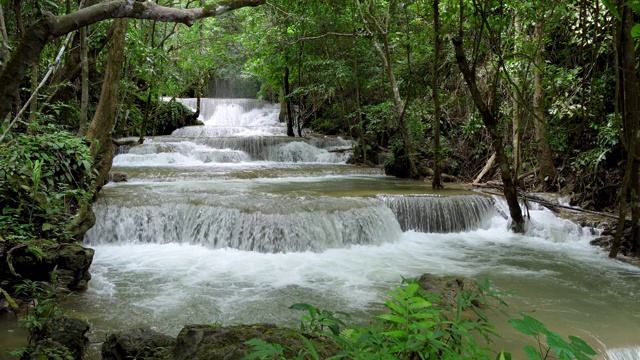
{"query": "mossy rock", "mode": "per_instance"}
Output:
(200, 342)
(36, 260)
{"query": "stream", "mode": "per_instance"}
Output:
(233, 222)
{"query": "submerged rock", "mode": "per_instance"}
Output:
(448, 287)
(141, 343)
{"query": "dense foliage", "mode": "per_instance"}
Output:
(416, 325)
(45, 176)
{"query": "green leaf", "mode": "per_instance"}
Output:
(47, 226)
(503, 356)
(532, 353)
(612, 8)
(522, 327)
(635, 31)
(393, 318)
(582, 345)
(535, 324)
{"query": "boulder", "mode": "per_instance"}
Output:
(35, 260)
(62, 336)
(448, 287)
(200, 342)
(117, 176)
(141, 343)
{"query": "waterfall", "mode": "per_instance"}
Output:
(263, 225)
(441, 214)
(628, 353)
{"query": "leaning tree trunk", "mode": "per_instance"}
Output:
(490, 120)
(84, 99)
(99, 133)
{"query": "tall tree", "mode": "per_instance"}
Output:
(436, 182)
(489, 111)
(628, 101)
(49, 27)
(376, 25)
(547, 171)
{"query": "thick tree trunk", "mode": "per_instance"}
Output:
(436, 182)
(547, 171)
(50, 27)
(99, 133)
(491, 123)
(629, 106)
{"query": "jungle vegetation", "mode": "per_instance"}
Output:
(547, 90)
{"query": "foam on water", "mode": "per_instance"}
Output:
(630, 353)
(171, 284)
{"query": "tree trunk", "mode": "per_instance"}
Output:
(4, 46)
(517, 115)
(436, 182)
(84, 99)
(547, 171)
(491, 123)
(50, 27)
(99, 133)
(629, 106)
(287, 91)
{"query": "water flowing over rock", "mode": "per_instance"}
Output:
(269, 225)
(441, 214)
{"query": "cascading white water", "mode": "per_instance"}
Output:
(196, 239)
(264, 225)
(443, 214)
(632, 353)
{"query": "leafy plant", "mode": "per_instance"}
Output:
(317, 320)
(549, 341)
(417, 326)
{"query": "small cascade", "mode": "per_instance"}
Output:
(268, 148)
(629, 353)
(266, 225)
(441, 214)
(183, 153)
(227, 131)
(235, 113)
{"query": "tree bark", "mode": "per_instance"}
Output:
(436, 182)
(517, 115)
(99, 133)
(491, 123)
(50, 27)
(84, 99)
(627, 88)
(547, 171)
(4, 46)
(287, 91)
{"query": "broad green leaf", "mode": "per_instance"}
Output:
(635, 31)
(503, 356)
(582, 345)
(522, 327)
(612, 8)
(532, 353)
(535, 324)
